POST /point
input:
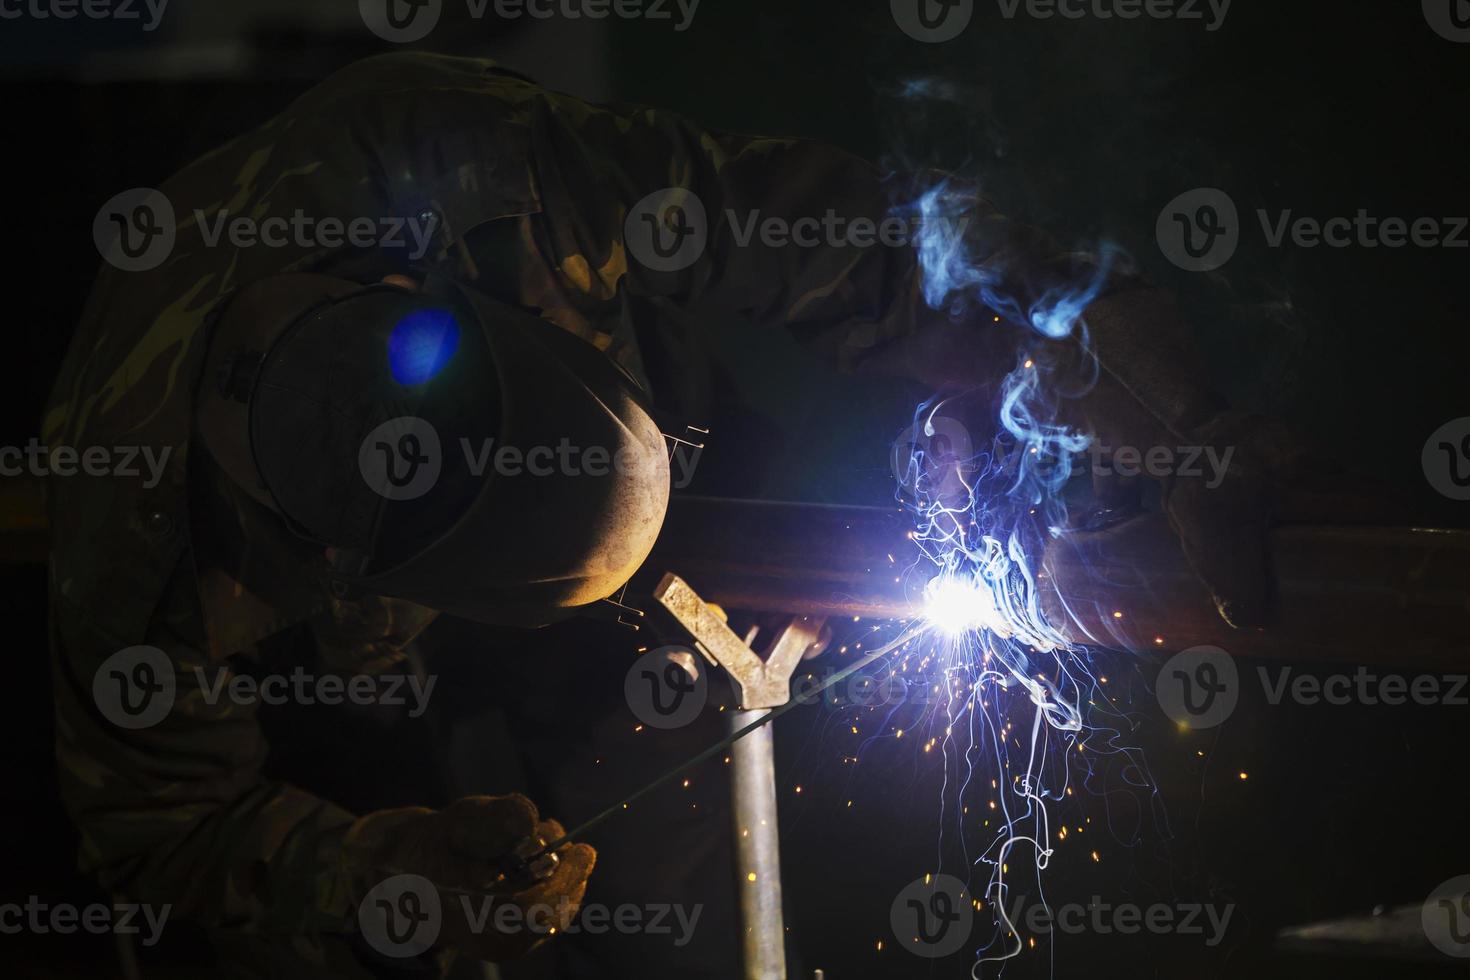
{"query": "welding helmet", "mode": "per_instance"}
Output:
(442, 447)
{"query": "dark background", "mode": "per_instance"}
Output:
(1085, 128)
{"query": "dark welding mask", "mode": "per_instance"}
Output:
(441, 447)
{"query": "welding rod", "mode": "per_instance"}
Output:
(729, 740)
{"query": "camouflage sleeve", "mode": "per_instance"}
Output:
(162, 773)
(641, 206)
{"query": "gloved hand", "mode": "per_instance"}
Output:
(469, 852)
(1244, 473)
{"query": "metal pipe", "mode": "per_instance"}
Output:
(1371, 595)
(757, 849)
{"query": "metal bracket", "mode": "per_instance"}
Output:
(763, 683)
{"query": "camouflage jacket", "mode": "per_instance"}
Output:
(528, 193)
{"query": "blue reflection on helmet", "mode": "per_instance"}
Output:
(421, 345)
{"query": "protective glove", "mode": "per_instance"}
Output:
(1248, 473)
(472, 854)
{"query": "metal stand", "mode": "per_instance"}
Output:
(763, 685)
(757, 850)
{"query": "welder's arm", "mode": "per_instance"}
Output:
(179, 812)
(799, 233)
(960, 318)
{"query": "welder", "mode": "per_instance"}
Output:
(329, 404)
